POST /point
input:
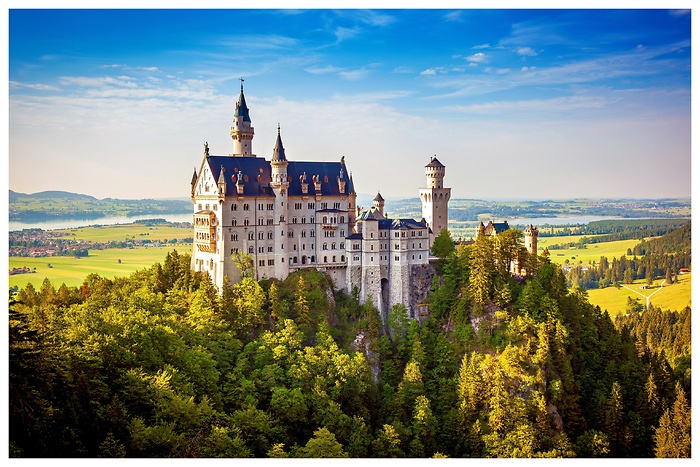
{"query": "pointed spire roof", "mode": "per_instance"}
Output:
(378, 197)
(241, 107)
(278, 152)
(222, 178)
(194, 177)
(434, 162)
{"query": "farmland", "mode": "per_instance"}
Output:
(674, 297)
(72, 271)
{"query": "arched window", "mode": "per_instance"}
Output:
(325, 259)
(342, 258)
(342, 219)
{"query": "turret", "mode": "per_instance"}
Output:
(279, 164)
(221, 183)
(530, 235)
(379, 204)
(194, 181)
(242, 131)
(434, 173)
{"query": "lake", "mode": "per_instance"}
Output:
(107, 220)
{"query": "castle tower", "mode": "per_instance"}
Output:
(379, 204)
(531, 234)
(434, 198)
(279, 182)
(242, 130)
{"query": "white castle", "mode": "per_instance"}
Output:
(290, 214)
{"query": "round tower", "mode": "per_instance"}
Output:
(531, 234)
(242, 131)
(379, 204)
(434, 173)
(434, 198)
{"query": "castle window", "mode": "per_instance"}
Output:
(324, 205)
(303, 233)
(420, 256)
(325, 219)
(294, 247)
(270, 262)
(325, 246)
(342, 219)
(313, 233)
(336, 205)
(251, 250)
(251, 236)
(334, 259)
(420, 245)
(342, 246)
(261, 249)
(294, 220)
(281, 218)
(246, 221)
(371, 258)
(216, 207)
(413, 233)
(283, 260)
(413, 245)
(342, 233)
(303, 246)
(270, 235)
(297, 205)
(261, 235)
(356, 258)
(403, 234)
(420, 233)
(199, 207)
(371, 235)
(313, 259)
(270, 206)
(313, 220)
(413, 256)
(325, 259)
(290, 234)
(396, 246)
(234, 207)
(311, 205)
(396, 258)
(355, 246)
(234, 237)
(269, 249)
(246, 207)
(342, 258)
(396, 234)
(235, 222)
(333, 246)
(303, 220)
(261, 221)
(261, 262)
(206, 206)
(270, 221)
(371, 247)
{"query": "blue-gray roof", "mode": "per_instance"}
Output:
(242, 108)
(259, 171)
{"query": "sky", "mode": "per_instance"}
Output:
(517, 104)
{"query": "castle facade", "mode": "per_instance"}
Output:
(287, 214)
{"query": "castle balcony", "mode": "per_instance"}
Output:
(329, 226)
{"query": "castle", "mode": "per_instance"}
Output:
(289, 214)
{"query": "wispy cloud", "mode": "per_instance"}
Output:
(35, 86)
(526, 51)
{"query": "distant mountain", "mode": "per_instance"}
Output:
(65, 195)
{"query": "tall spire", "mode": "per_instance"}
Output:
(241, 107)
(242, 131)
(278, 153)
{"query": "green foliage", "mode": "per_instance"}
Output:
(161, 364)
(443, 246)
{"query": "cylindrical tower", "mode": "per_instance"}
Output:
(531, 233)
(434, 173)
(242, 131)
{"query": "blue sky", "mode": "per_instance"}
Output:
(525, 104)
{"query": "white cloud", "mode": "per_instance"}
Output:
(482, 46)
(478, 57)
(454, 15)
(323, 70)
(35, 86)
(526, 51)
(354, 74)
(428, 72)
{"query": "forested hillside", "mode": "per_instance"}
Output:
(158, 364)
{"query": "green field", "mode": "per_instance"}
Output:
(122, 232)
(72, 271)
(592, 252)
(674, 297)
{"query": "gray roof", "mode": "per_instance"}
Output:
(434, 162)
(378, 197)
(242, 108)
(394, 224)
(278, 152)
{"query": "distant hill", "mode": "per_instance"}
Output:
(66, 195)
(50, 205)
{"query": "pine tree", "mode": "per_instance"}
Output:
(481, 267)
